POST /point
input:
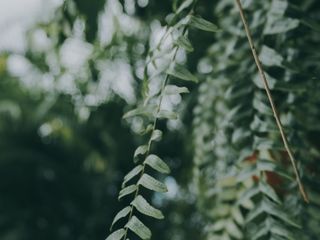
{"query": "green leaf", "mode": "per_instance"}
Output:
(237, 215)
(117, 235)
(138, 112)
(203, 24)
(127, 190)
(134, 172)
(145, 208)
(184, 5)
(272, 209)
(156, 135)
(276, 26)
(136, 226)
(173, 89)
(233, 230)
(269, 57)
(281, 230)
(218, 225)
(156, 163)
(146, 130)
(151, 183)
(124, 212)
(167, 115)
(182, 73)
(140, 151)
(269, 191)
(248, 194)
(184, 43)
(257, 211)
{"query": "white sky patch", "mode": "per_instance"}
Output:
(116, 75)
(16, 16)
(74, 53)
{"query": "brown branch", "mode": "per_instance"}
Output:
(274, 110)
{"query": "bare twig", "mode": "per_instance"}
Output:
(274, 110)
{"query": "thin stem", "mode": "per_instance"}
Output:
(274, 110)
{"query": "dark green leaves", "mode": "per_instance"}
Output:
(203, 24)
(156, 163)
(151, 183)
(182, 73)
(136, 226)
(145, 208)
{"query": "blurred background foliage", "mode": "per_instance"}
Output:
(64, 147)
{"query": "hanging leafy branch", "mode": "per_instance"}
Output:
(274, 110)
(152, 111)
(239, 129)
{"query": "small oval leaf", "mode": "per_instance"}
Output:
(184, 43)
(134, 172)
(136, 226)
(166, 114)
(203, 24)
(117, 235)
(138, 112)
(145, 208)
(127, 190)
(157, 164)
(182, 73)
(173, 89)
(156, 135)
(140, 151)
(124, 212)
(151, 183)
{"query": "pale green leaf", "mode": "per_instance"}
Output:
(272, 209)
(117, 235)
(173, 89)
(138, 112)
(203, 24)
(134, 172)
(248, 194)
(182, 73)
(218, 225)
(127, 190)
(276, 26)
(151, 183)
(269, 57)
(233, 230)
(184, 5)
(184, 43)
(136, 226)
(140, 151)
(237, 215)
(269, 191)
(156, 135)
(145, 208)
(124, 212)
(156, 163)
(166, 114)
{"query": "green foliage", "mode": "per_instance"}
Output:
(240, 185)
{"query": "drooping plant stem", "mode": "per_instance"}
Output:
(274, 110)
